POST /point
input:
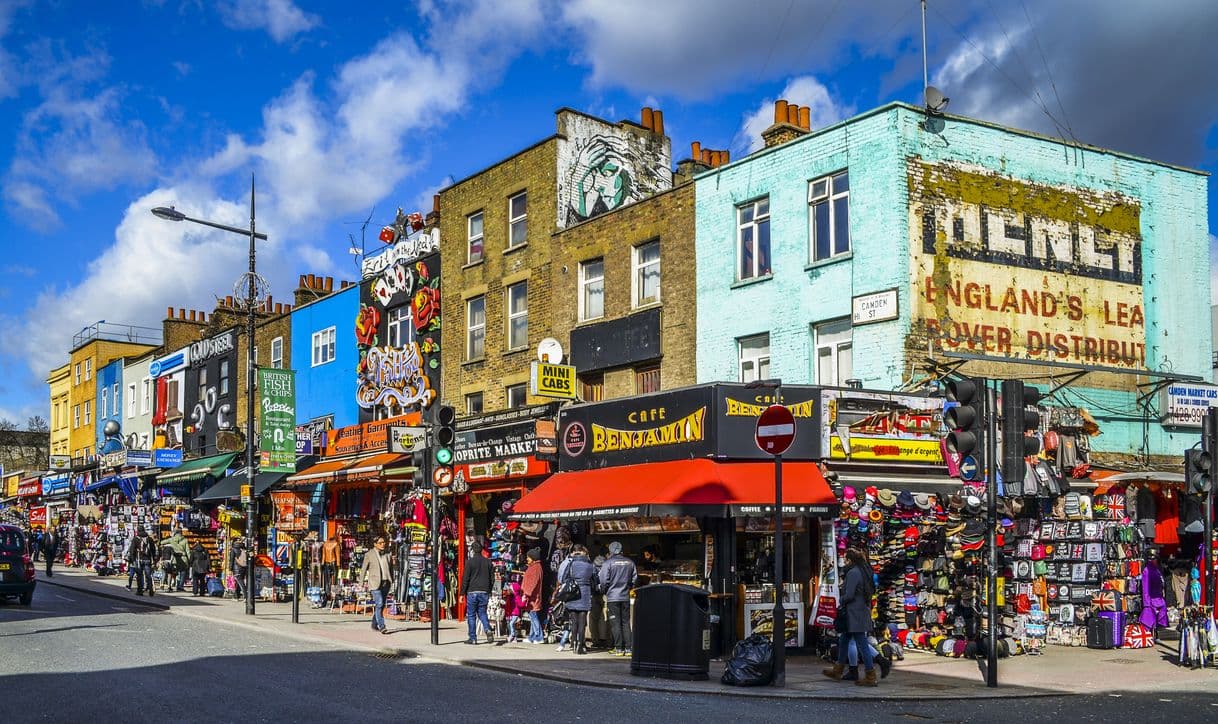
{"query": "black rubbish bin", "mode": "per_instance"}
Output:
(671, 632)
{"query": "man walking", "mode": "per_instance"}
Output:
(377, 572)
(618, 575)
(51, 548)
(180, 549)
(476, 587)
(145, 554)
(131, 555)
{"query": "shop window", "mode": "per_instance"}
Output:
(591, 289)
(829, 216)
(475, 328)
(753, 239)
(517, 396)
(834, 353)
(323, 346)
(518, 315)
(646, 264)
(647, 379)
(473, 225)
(473, 403)
(277, 353)
(400, 328)
(592, 388)
(518, 220)
(754, 357)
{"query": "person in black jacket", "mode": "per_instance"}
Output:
(200, 564)
(50, 546)
(476, 588)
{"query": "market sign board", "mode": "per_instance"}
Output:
(1183, 404)
(868, 426)
(166, 458)
(405, 439)
(367, 437)
(551, 380)
(277, 398)
(501, 444)
(1010, 268)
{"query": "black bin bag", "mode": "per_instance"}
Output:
(751, 664)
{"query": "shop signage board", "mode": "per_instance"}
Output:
(617, 342)
(502, 442)
(406, 439)
(166, 458)
(38, 516)
(736, 421)
(29, 488)
(304, 443)
(501, 445)
(874, 307)
(365, 437)
(876, 426)
(10, 484)
(59, 462)
(277, 393)
(671, 425)
(56, 484)
(552, 380)
(139, 458)
(775, 430)
(1184, 403)
(114, 459)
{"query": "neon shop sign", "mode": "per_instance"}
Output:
(393, 376)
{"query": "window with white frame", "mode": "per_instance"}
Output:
(277, 353)
(473, 403)
(518, 315)
(832, 342)
(115, 397)
(88, 413)
(76, 369)
(753, 239)
(88, 370)
(202, 383)
(145, 395)
(591, 289)
(130, 400)
(105, 401)
(754, 357)
(475, 328)
(518, 219)
(646, 273)
(75, 416)
(829, 216)
(516, 396)
(399, 326)
(323, 346)
(224, 377)
(473, 226)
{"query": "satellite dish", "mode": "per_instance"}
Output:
(935, 100)
(549, 350)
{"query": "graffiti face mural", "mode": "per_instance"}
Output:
(602, 167)
(398, 332)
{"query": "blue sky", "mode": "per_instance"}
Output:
(342, 109)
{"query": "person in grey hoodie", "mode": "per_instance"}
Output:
(618, 576)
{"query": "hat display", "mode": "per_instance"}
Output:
(905, 499)
(923, 501)
(886, 497)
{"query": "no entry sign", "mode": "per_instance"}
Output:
(775, 430)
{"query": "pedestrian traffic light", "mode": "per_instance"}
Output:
(446, 434)
(418, 460)
(1197, 471)
(1019, 417)
(967, 418)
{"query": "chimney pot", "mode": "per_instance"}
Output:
(706, 156)
(695, 150)
(329, 284)
(193, 316)
(805, 118)
(228, 301)
(793, 114)
(648, 118)
(657, 122)
(435, 203)
(780, 111)
(169, 313)
(181, 313)
(727, 156)
(301, 282)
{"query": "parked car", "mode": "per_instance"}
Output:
(16, 565)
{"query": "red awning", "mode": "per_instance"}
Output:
(368, 467)
(679, 487)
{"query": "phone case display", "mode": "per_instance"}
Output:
(759, 612)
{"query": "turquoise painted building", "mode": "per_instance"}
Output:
(855, 253)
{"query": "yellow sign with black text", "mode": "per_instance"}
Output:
(548, 380)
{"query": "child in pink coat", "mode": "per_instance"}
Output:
(513, 608)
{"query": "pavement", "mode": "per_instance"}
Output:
(1060, 671)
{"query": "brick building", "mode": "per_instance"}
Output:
(499, 251)
(93, 348)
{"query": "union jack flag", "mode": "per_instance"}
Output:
(1138, 636)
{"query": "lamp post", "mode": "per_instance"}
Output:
(251, 293)
(779, 618)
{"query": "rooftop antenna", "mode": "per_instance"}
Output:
(360, 251)
(934, 99)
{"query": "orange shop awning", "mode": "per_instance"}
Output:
(322, 472)
(680, 487)
(367, 468)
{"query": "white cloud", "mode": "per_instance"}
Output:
(281, 19)
(805, 90)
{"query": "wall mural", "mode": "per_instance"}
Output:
(210, 393)
(602, 167)
(397, 330)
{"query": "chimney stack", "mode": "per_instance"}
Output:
(648, 119)
(790, 122)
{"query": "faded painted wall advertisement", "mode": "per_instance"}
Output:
(398, 332)
(888, 426)
(603, 167)
(1010, 268)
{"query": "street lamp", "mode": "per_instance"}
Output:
(779, 619)
(251, 283)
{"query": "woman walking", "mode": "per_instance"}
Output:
(578, 568)
(854, 605)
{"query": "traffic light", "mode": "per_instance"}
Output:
(418, 460)
(1019, 417)
(446, 434)
(1197, 472)
(967, 419)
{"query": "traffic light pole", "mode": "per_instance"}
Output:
(991, 494)
(435, 542)
(1209, 433)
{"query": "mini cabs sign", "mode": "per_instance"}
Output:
(552, 380)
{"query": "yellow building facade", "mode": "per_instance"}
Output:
(60, 417)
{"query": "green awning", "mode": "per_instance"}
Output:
(230, 487)
(197, 469)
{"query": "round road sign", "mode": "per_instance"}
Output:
(775, 430)
(969, 469)
(442, 476)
